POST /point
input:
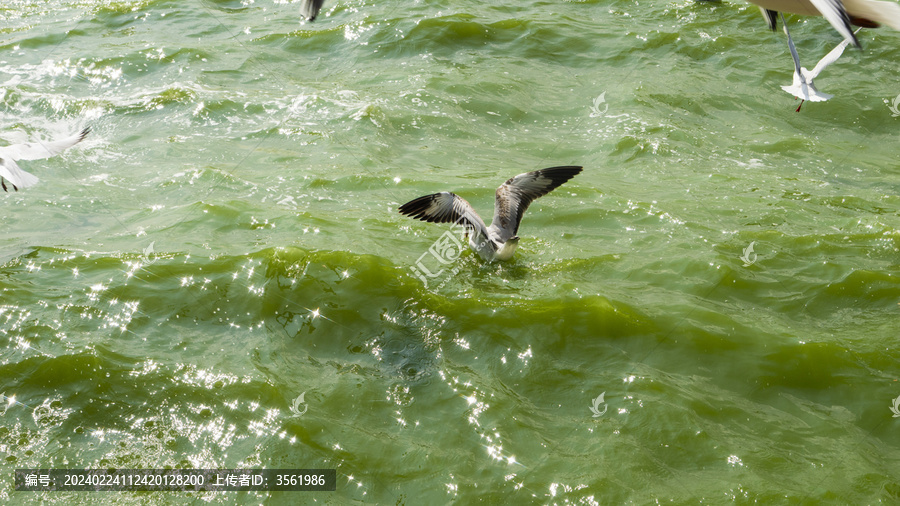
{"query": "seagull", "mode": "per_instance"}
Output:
(803, 87)
(9, 169)
(867, 13)
(310, 8)
(499, 241)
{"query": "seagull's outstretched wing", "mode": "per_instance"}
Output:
(798, 74)
(515, 195)
(310, 8)
(836, 14)
(828, 59)
(444, 207)
(42, 149)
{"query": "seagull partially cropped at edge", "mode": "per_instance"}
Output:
(499, 241)
(803, 87)
(310, 8)
(10, 170)
(841, 14)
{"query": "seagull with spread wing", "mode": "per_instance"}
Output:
(310, 8)
(840, 13)
(498, 241)
(9, 169)
(803, 87)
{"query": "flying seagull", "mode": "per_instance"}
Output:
(9, 169)
(499, 241)
(841, 14)
(803, 87)
(310, 8)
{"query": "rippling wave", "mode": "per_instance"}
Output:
(722, 277)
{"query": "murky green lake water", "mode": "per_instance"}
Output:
(724, 271)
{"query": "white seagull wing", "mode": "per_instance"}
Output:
(829, 58)
(836, 14)
(515, 195)
(444, 207)
(41, 149)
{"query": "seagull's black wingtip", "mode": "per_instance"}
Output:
(424, 208)
(414, 208)
(311, 8)
(562, 173)
(771, 18)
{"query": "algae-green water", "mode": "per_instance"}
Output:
(724, 272)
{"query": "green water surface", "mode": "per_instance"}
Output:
(226, 239)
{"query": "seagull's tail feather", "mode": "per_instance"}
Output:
(10, 171)
(27, 179)
(884, 13)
